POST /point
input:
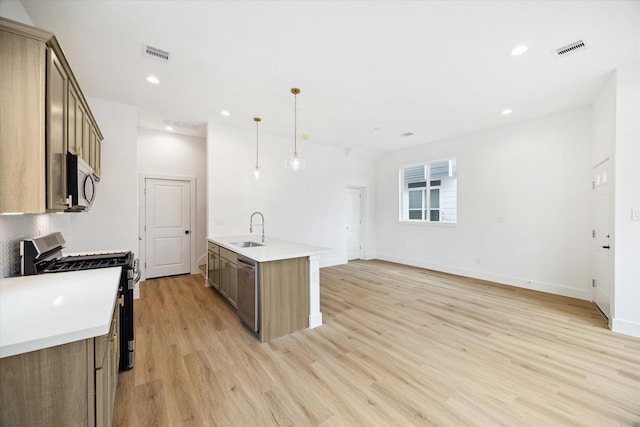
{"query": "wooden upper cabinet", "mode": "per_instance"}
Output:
(86, 139)
(57, 127)
(22, 122)
(75, 120)
(95, 144)
(96, 169)
(43, 114)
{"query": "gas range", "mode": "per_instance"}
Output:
(43, 255)
(89, 262)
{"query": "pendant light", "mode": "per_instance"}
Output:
(294, 161)
(257, 171)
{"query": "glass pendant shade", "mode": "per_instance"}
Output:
(294, 161)
(257, 173)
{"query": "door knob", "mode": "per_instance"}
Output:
(186, 231)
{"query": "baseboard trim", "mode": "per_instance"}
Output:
(330, 262)
(551, 288)
(625, 327)
(315, 320)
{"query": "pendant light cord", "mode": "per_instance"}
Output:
(295, 123)
(295, 91)
(257, 120)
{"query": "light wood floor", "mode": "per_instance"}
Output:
(399, 346)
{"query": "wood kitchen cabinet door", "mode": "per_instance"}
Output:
(56, 146)
(22, 123)
(86, 139)
(96, 168)
(75, 119)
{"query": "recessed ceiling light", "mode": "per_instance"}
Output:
(507, 111)
(153, 80)
(168, 128)
(225, 113)
(519, 50)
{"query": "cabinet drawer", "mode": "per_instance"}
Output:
(213, 248)
(229, 255)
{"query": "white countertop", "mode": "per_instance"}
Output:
(47, 310)
(273, 249)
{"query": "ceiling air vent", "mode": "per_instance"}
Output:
(155, 53)
(570, 48)
(180, 124)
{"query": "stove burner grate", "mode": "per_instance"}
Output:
(88, 262)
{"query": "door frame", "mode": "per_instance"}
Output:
(142, 220)
(594, 243)
(363, 221)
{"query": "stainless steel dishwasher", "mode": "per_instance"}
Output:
(247, 302)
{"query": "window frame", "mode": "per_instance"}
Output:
(426, 190)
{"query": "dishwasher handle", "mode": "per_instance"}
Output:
(244, 264)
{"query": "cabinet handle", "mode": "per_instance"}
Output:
(114, 342)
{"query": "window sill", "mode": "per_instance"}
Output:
(428, 223)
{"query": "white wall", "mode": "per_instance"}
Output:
(307, 206)
(173, 155)
(604, 122)
(112, 222)
(523, 200)
(626, 307)
(13, 9)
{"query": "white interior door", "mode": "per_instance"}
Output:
(602, 245)
(354, 199)
(168, 227)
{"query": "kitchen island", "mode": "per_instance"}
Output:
(289, 280)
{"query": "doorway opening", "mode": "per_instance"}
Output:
(602, 238)
(167, 213)
(353, 226)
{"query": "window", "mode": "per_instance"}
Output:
(429, 192)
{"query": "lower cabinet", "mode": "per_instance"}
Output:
(70, 384)
(213, 266)
(222, 272)
(106, 366)
(229, 275)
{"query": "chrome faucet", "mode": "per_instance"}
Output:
(251, 223)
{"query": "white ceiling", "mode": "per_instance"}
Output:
(368, 70)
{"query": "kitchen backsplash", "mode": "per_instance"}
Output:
(13, 229)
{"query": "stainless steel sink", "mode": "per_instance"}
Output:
(246, 244)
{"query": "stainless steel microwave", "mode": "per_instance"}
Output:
(81, 187)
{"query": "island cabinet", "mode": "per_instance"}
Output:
(43, 115)
(71, 384)
(213, 266)
(283, 297)
(229, 275)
